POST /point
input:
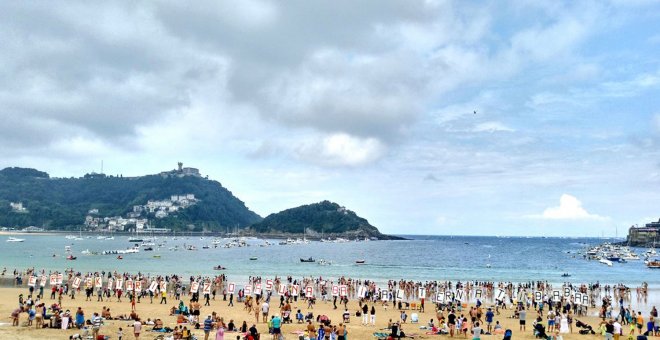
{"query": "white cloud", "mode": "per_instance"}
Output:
(492, 127)
(341, 149)
(570, 208)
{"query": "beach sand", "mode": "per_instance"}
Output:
(9, 301)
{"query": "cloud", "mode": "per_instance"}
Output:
(492, 127)
(342, 150)
(570, 208)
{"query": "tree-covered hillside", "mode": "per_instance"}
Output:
(63, 203)
(323, 217)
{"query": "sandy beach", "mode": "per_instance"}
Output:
(145, 309)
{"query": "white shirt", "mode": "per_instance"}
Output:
(617, 327)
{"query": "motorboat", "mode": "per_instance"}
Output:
(14, 239)
(71, 257)
(323, 262)
(360, 261)
(310, 259)
(219, 267)
(653, 264)
(566, 275)
(253, 258)
(606, 262)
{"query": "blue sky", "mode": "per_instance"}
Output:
(367, 104)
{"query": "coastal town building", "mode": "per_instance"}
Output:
(138, 218)
(17, 207)
(646, 235)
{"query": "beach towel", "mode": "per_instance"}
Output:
(380, 335)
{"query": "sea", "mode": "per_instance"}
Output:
(420, 258)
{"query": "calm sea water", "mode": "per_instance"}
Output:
(515, 259)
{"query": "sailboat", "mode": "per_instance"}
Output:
(79, 238)
(651, 251)
(135, 239)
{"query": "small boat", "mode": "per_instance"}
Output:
(606, 262)
(148, 249)
(205, 247)
(359, 261)
(323, 262)
(135, 240)
(310, 259)
(71, 257)
(253, 258)
(120, 257)
(14, 239)
(653, 264)
(566, 275)
(219, 267)
(156, 256)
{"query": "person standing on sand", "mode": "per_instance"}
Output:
(163, 296)
(137, 328)
(220, 333)
(96, 325)
(451, 320)
(373, 315)
(208, 325)
(311, 330)
(365, 314)
(264, 309)
(522, 315)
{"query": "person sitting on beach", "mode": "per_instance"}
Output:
(180, 319)
(346, 316)
(231, 327)
(134, 315)
(106, 314)
(158, 325)
(80, 318)
(498, 330)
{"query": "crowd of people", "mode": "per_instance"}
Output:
(552, 314)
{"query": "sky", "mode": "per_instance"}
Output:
(370, 104)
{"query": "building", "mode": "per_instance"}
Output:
(643, 236)
(17, 207)
(181, 172)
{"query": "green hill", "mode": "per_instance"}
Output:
(63, 203)
(323, 218)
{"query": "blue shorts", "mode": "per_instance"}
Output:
(551, 322)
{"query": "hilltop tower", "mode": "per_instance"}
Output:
(180, 167)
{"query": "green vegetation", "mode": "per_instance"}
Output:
(323, 217)
(63, 203)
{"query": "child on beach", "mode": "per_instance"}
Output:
(120, 333)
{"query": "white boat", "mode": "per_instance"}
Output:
(14, 239)
(606, 261)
